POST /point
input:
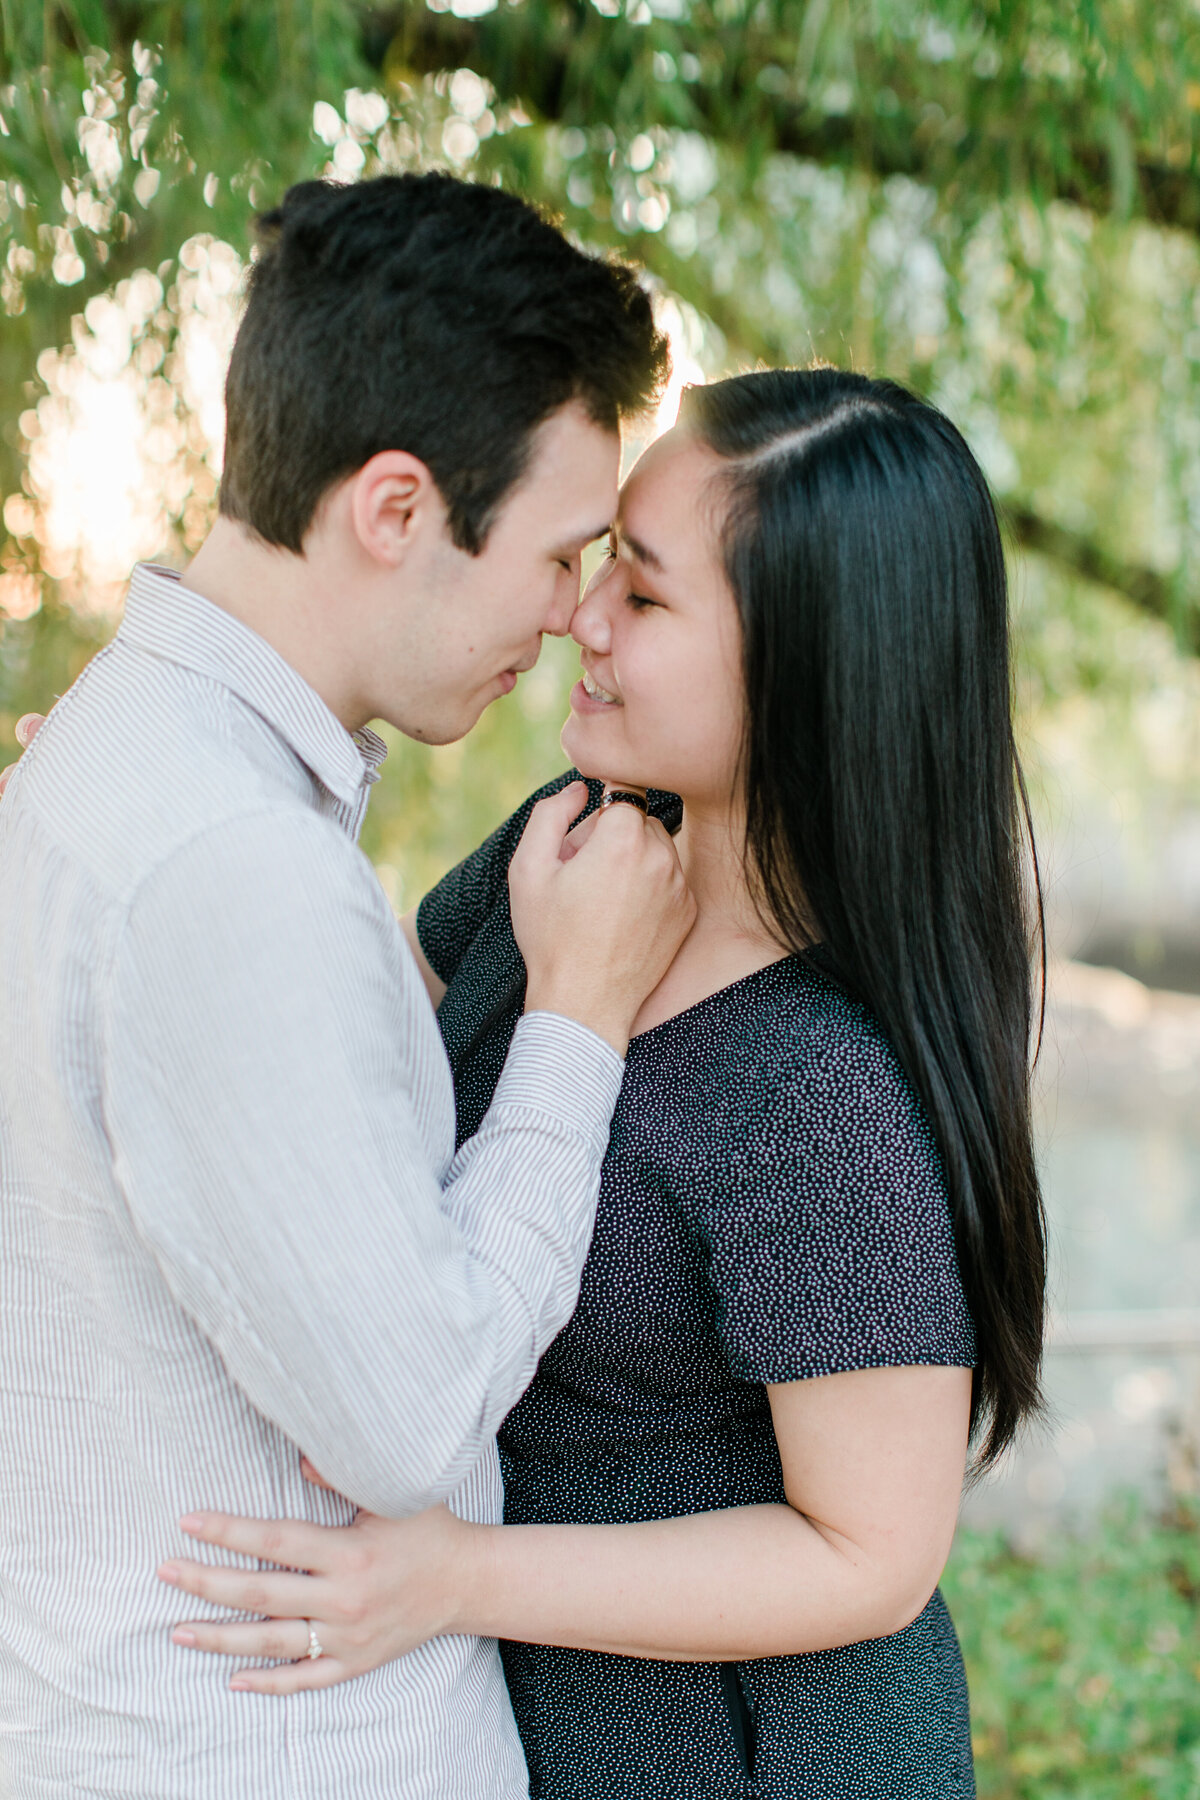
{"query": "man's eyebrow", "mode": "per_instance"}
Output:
(642, 551)
(584, 538)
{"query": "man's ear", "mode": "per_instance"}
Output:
(394, 500)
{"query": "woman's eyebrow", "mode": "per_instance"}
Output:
(642, 551)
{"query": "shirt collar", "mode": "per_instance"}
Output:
(167, 619)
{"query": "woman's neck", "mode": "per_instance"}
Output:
(728, 940)
(710, 845)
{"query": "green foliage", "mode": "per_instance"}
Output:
(106, 172)
(969, 197)
(1084, 1663)
(39, 659)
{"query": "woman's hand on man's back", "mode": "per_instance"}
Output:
(27, 729)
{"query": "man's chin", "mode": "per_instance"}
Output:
(440, 729)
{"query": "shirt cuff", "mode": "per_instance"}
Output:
(559, 1067)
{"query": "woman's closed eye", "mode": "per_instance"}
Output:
(639, 602)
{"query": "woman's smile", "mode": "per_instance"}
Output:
(593, 691)
(660, 611)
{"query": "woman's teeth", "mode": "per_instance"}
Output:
(595, 692)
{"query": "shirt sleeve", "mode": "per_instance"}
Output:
(831, 1240)
(451, 915)
(271, 1070)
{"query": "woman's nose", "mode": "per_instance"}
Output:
(591, 625)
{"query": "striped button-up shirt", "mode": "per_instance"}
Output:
(232, 1224)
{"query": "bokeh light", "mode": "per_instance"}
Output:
(125, 446)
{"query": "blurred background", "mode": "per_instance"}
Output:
(996, 201)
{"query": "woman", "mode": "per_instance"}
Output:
(818, 1264)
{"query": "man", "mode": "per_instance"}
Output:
(231, 1227)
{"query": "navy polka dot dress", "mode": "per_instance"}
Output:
(771, 1208)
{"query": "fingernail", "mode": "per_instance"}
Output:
(22, 728)
(169, 1572)
(183, 1636)
(240, 1685)
(193, 1522)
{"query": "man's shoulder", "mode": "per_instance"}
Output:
(142, 758)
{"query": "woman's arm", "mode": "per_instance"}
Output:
(435, 986)
(872, 1463)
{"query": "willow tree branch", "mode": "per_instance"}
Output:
(966, 135)
(1149, 591)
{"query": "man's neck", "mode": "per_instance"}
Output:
(285, 598)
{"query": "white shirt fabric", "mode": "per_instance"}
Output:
(232, 1224)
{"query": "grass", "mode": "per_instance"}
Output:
(1084, 1664)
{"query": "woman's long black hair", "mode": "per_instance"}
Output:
(886, 812)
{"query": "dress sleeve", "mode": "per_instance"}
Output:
(832, 1246)
(452, 913)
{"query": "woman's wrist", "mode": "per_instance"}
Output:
(472, 1581)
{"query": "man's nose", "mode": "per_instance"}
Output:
(562, 611)
(564, 603)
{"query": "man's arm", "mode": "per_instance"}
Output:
(269, 1052)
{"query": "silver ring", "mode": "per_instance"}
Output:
(314, 1644)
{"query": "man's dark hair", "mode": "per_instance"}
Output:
(420, 313)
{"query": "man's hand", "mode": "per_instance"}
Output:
(27, 729)
(598, 924)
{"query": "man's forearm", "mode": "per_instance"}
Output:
(523, 1191)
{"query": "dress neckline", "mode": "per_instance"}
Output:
(820, 963)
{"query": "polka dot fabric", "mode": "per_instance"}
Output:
(772, 1208)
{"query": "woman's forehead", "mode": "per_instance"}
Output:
(668, 478)
(669, 516)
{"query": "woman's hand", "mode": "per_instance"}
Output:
(27, 729)
(370, 1592)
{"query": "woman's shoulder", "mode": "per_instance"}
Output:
(815, 1182)
(813, 1067)
(814, 1030)
(455, 910)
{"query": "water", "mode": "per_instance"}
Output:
(1119, 1136)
